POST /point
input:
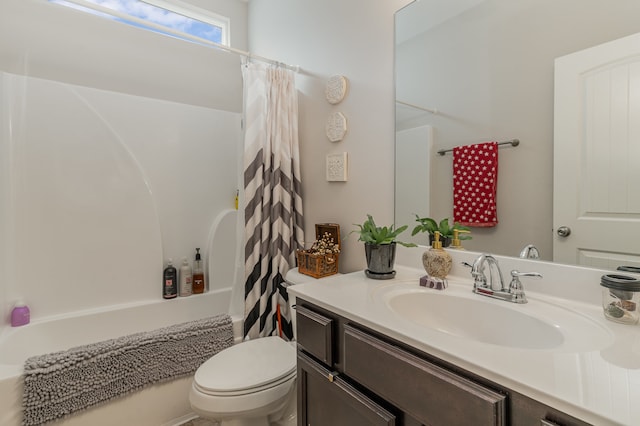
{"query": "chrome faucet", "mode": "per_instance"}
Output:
(479, 277)
(494, 287)
(530, 252)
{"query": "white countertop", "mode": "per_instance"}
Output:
(599, 385)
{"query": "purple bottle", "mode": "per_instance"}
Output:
(20, 314)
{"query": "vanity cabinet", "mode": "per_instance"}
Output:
(324, 396)
(350, 375)
(328, 399)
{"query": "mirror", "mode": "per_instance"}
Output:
(486, 68)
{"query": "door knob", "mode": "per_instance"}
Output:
(564, 231)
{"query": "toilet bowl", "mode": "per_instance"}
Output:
(251, 383)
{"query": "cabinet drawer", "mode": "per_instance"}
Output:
(325, 399)
(429, 393)
(315, 334)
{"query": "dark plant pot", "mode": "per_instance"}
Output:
(380, 257)
(446, 241)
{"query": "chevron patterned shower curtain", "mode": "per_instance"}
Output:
(273, 202)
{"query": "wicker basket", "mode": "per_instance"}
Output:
(320, 265)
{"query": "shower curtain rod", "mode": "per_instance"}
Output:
(161, 28)
(432, 111)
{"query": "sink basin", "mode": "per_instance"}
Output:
(535, 325)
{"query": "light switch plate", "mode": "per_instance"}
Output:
(337, 167)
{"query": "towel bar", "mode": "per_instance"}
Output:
(512, 142)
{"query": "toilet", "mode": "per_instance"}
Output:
(252, 383)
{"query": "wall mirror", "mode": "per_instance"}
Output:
(483, 70)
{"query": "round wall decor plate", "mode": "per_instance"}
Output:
(336, 126)
(336, 89)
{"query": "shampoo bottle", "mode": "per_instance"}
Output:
(198, 274)
(186, 283)
(170, 281)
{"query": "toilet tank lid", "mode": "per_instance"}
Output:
(294, 277)
(247, 365)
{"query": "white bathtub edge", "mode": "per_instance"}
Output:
(159, 404)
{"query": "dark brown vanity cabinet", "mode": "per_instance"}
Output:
(324, 397)
(351, 376)
(427, 392)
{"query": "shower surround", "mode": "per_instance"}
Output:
(97, 188)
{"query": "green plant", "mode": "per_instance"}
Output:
(371, 233)
(426, 224)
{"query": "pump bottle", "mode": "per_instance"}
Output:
(198, 274)
(456, 242)
(436, 261)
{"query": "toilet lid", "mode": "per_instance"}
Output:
(248, 365)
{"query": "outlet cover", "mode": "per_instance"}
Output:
(337, 167)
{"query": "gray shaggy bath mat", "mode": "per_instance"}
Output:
(61, 383)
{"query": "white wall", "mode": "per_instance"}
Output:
(119, 148)
(58, 43)
(489, 71)
(353, 38)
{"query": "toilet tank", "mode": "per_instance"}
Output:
(294, 277)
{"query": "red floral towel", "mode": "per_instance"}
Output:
(475, 179)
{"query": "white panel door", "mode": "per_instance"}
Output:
(597, 155)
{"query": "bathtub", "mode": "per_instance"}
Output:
(162, 404)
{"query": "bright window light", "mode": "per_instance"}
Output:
(173, 17)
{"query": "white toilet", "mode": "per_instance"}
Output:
(252, 383)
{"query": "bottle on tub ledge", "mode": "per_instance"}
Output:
(186, 279)
(20, 315)
(170, 281)
(198, 274)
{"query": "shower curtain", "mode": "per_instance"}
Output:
(273, 202)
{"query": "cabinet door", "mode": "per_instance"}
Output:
(325, 399)
(527, 412)
(315, 334)
(431, 394)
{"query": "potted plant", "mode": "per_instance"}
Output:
(427, 224)
(380, 247)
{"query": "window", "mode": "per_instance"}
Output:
(174, 18)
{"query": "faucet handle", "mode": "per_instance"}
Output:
(516, 274)
(516, 287)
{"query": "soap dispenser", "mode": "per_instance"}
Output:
(455, 242)
(437, 262)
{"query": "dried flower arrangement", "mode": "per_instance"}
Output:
(321, 259)
(325, 245)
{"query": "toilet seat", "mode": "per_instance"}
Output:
(247, 368)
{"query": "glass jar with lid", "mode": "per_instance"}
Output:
(621, 298)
